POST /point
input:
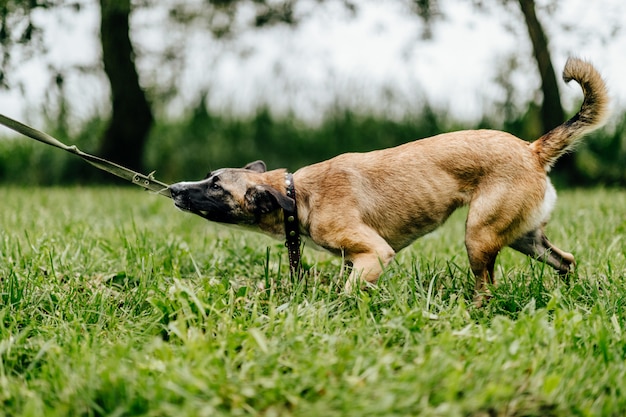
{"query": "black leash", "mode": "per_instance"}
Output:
(146, 181)
(292, 231)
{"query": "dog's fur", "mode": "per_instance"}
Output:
(368, 206)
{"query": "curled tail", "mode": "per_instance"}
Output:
(591, 115)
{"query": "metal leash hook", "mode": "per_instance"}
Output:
(146, 181)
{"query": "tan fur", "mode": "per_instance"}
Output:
(368, 206)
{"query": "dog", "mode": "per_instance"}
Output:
(368, 206)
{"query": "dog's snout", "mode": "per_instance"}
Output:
(176, 189)
(180, 195)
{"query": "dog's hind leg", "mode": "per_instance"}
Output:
(536, 245)
(491, 222)
(482, 250)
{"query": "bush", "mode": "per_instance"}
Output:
(192, 146)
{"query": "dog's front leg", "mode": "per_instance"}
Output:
(360, 245)
(368, 262)
(366, 268)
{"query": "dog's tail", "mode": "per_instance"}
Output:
(592, 113)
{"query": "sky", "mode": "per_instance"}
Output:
(377, 61)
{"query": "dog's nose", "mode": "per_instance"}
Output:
(176, 190)
(180, 195)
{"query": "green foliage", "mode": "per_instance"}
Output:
(27, 162)
(599, 159)
(114, 303)
(190, 147)
(602, 160)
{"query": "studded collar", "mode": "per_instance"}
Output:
(292, 229)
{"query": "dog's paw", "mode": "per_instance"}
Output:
(481, 299)
(352, 287)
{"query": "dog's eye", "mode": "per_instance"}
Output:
(215, 186)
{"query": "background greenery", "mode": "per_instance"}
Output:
(189, 147)
(132, 76)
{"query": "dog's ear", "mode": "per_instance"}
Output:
(263, 199)
(256, 166)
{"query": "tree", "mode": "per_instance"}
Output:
(125, 138)
(552, 113)
(17, 30)
(131, 119)
(131, 112)
(551, 109)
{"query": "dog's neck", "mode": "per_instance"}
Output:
(282, 223)
(273, 223)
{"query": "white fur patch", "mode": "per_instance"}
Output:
(541, 214)
(548, 203)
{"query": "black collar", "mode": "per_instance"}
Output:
(292, 229)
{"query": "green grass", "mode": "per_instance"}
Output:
(114, 303)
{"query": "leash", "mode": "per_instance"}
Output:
(292, 231)
(292, 228)
(146, 181)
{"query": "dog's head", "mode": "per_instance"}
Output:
(233, 195)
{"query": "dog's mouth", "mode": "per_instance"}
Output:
(201, 213)
(186, 207)
(211, 214)
(183, 202)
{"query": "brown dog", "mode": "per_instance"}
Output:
(368, 206)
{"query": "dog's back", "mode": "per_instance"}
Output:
(409, 190)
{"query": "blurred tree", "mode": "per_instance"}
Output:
(18, 31)
(21, 39)
(125, 137)
(550, 109)
(552, 113)
(16, 28)
(131, 117)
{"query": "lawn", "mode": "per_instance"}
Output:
(112, 302)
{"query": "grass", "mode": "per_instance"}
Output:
(113, 303)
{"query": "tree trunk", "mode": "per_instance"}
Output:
(552, 113)
(131, 119)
